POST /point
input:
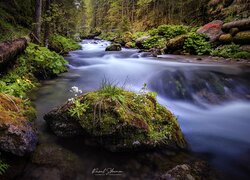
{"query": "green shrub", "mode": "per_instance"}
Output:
(197, 44)
(62, 45)
(137, 35)
(170, 31)
(43, 61)
(154, 42)
(109, 36)
(231, 51)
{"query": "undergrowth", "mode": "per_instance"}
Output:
(36, 63)
(231, 51)
(63, 45)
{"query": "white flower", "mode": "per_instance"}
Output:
(71, 100)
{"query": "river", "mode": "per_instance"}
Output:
(211, 101)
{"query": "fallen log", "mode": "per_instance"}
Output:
(243, 24)
(9, 50)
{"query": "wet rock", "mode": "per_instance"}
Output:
(139, 42)
(125, 122)
(155, 52)
(212, 30)
(194, 171)
(17, 133)
(245, 48)
(51, 161)
(114, 47)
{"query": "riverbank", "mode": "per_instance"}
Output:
(217, 39)
(24, 66)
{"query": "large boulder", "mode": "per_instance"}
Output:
(118, 120)
(114, 47)
(139, 42)
(17, 133)
(212, 30)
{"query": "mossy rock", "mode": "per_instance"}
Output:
(119, 121)
(17, 135)
(234, 31)
(114, 47)
(226, 38)
(176, 44)
(242, 37)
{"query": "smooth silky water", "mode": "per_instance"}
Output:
(211, 102)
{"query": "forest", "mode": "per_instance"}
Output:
(124, 89)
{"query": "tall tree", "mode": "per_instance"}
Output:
(38, 19)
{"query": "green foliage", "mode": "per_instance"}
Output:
(154, 42)
(36, 61)
(62, 45)
(197, 44)
(43, 61)
(137, 35)
(231, 51)
(16, 18)
(78, 109)
(3, 167)
(170, 31)
(109, 36)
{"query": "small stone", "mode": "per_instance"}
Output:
(190, 177)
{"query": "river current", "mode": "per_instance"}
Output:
(211, 101)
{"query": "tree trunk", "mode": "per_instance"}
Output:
(38, 19)
(47, 24)
(9, 50)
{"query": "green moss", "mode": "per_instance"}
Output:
(226, 38)
(242, 37)
(62, 45)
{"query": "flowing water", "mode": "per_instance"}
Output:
(211, 101)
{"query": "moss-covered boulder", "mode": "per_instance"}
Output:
(226, 38)
(17, 135)
(175, 44)
(118, 120)
(242, 37)
(114, 47)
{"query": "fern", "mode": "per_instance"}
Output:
(3, 167)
